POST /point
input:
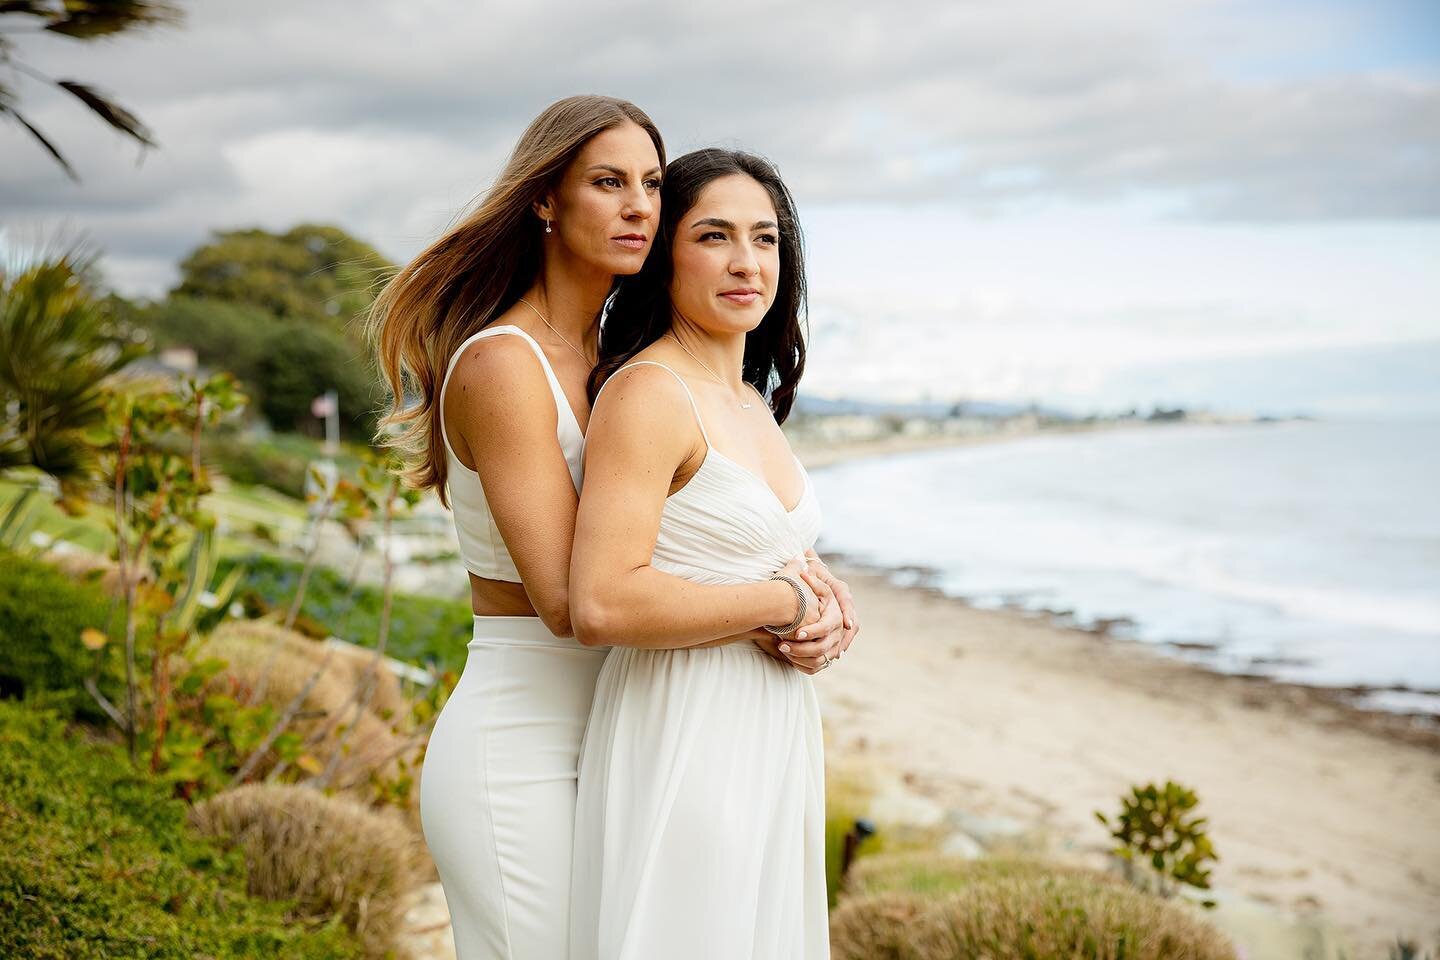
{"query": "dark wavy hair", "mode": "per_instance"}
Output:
(640, 312)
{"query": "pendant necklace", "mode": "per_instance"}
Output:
(557, 332)
(743, 404)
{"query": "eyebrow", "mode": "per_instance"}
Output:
(727, 225)
(620, 173)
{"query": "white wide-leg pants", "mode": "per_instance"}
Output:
(497, 790)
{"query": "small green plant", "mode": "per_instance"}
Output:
(156, 496)
(380, 491)
(1156, 827)
(1408, 950)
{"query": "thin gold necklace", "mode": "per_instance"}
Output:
(743, 405)
(583, 355)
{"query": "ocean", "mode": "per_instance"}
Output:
(1307, 551)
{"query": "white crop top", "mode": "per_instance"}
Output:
(482, 549)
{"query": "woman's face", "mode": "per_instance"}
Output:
(605, 209)
(727, 256)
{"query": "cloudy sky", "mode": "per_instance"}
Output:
(1232, 204)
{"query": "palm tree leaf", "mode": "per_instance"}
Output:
(54, 151)
(59, 348)
(99, 18)
(31, 7)
(112, 113)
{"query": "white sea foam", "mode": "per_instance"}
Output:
(1305, 551)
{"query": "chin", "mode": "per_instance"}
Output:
(626, 264)
(750, 318)
(733, 323)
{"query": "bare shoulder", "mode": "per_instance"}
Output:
(496, 374)
(643, 403)
(640, 390)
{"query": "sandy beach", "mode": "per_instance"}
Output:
(1318, 810)
(1314, 807)
(816, 453)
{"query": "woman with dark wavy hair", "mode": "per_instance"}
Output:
(700, 819)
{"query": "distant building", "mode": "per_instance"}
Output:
(180, 359)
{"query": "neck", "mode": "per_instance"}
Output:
(570, 296)
(723, 353)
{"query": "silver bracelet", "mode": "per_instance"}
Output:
(793, 625)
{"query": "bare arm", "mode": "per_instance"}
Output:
(499, 410)
(641, 431)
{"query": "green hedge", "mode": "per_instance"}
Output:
(248, 461)
(278, 461)
(242, 338)
(95, 861)
(422, 629)
(933, 874)
(42, 612)
(1024, 918)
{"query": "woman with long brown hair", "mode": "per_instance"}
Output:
(486, 340)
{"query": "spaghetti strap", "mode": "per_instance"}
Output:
(563, 410)
(699, 421)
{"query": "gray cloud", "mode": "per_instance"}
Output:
(387, 118)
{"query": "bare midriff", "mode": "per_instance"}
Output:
(499, 598)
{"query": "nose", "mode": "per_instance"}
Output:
(745, 264)
(639, 204)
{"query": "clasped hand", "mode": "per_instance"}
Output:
(829, 626)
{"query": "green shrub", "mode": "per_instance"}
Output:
(1159, 839)
(248, 461)
(231, 336)
(422, 629)
(278, 461)
(312, 361)
(1024, 918)
(42, 613)
(929, 874)
(242, 338)
(376, 746)
(331, 855)
(96, 861)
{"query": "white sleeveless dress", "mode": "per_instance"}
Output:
(700, 821)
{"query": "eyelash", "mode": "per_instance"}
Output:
(770, 238)
(651, 185)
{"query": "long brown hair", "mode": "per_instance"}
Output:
(640, 311)
(475, 272)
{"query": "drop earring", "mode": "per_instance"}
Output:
(547, 226)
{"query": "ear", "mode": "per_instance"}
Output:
(545, 206)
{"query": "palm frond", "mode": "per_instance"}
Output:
(59, 347)
(103, 18)
(109, 111)
(44, 142)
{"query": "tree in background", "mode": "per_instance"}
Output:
(232, 336)
(277, 310)
(304, 364)
(59, 347)
(88, 20)
(311, 272)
